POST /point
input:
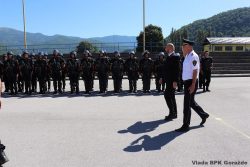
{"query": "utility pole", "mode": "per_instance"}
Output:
(24, 25)
(144, 33)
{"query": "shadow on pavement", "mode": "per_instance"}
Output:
(149, 143)
(143, 127)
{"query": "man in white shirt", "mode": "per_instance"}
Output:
(190, 73)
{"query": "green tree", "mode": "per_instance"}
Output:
(154, 39)
(85, 45)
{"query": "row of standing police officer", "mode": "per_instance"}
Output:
(21, 74)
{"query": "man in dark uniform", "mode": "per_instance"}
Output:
(201, 77)
(11, 69)
(146, 69)
(40, 68)
(159, 71)
(132, 69)
(20, 81)
(117, 69)
(206, 66)
(64, 72)
(180, 82)
(6, 83)
(73, 69)
(33, 77)
(56, 65)
(102, 67)
(48, 73)
(26, 70)
(87, 70)
(171, 77)
(190, 74)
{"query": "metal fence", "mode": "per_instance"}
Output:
(108, 47)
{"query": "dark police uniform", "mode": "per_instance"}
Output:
(26, 70)
(11, 70)
(191, 63)
(56, 67)
(117, 69)
(171, 75)
(102, 67)
(206, 65)
(4, 79)
(146, 69)
(73, 68)
(87, 72)
(41, 69)
(34, 76)
(159, 73)
(132, 69)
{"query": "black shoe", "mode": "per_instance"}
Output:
(170, 118)
(184, 128)
(55, 92)
(135, 91)
(204, 120)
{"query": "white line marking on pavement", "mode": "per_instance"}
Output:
(230, 126)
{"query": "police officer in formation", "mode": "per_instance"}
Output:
(56, 65)
(87, 71)
(132, 70)
(146, 70)
(73, 69)
(48, 73)
(64, 72)
(20, 81)
(206, 68)
(117, 69)
(11, 71)
(26, 71)
(40, 69)
(33, 77)
(4, 79)
(102, 67)
(171, 76)
(190, 74)
(159, 73)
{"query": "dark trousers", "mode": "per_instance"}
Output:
(207, 79)
(169, 96)
(201, 80)
(189, 102)
(146, 83)
(117, 84)
(74, 84)
(27, 86)
(12, 85)
(34, 83)
(132, 85)
(103, 84)
(48, 82)
(63, 81)
(159, 87)
(42, 84)
(57, 83)
(88, 83)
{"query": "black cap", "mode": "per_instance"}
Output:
(186, 41)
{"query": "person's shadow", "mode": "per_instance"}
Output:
(154, 143)
(143, 127)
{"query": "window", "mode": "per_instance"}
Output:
(239, 48)
(218, 48)
(228, 48)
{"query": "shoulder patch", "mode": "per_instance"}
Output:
(194, 62)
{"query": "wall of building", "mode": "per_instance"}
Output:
(226, 48)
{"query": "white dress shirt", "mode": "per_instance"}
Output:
(191, 63)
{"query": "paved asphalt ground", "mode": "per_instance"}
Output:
(126, 130)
